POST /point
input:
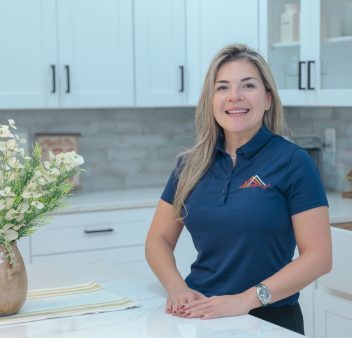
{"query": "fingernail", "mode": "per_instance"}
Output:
(182, 306)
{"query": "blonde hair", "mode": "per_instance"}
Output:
(194, 162)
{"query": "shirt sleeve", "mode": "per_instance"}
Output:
(305, 189)
(170, 188)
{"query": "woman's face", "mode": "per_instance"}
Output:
(240, 99)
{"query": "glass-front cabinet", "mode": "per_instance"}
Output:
(308, 45)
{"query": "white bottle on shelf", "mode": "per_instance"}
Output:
(290, 23)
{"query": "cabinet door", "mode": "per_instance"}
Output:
(333, 316)
(211, 25)
(28, 54)
(287, 53)
(333, 52)
(96, 53)
(160, 52)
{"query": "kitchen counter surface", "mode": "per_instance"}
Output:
(340, 208)
(133, 280)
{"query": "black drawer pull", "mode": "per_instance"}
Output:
(300, 63)
(97, 231)
(182, 74)
(309, 75)
(68, 80)
(53, 71)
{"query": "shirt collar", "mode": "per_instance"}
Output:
(249, 149)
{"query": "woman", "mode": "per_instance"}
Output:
(248, 197)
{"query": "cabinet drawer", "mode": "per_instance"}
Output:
(340, 278)
(92, 231)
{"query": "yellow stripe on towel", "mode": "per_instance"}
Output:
(64, 291)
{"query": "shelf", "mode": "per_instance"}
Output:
(285, 44)
(338, 39)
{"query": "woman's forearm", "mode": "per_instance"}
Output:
(297, 275)
(161, 259)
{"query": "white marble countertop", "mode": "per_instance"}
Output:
(111, 200)
(133, 280)
(340, 208)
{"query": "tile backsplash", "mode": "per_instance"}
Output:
(130, 148)
(124, 148)
(313, 121)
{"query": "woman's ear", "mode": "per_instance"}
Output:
(268, 100)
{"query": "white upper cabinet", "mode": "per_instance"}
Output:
(309, 47)
(96, 53)
(211, 25)
(160, 52)
(60, 53)
(28, 50)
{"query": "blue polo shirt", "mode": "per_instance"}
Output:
(239, 216)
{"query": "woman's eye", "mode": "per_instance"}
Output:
(221, 88)
(249, 85)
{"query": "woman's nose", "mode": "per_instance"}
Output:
(234, 94)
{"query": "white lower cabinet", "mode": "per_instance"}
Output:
(116, 234)
(333, 315)
(333, 296)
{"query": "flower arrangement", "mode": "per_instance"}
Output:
(30, 189)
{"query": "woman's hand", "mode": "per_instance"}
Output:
(219, 306)
(179, 298)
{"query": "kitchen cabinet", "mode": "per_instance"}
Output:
(176, 40)
(211, 25)
(315, 68)
(333, 315)
(160, 52)
(66, 54)
(28, 48)
(333, 293)
(90, 235)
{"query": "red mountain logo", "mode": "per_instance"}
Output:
(254, 182)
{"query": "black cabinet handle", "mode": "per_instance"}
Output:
(309, 75)
(182, 74)
(68, 85)
(53, 72)
(300, 63)
(96, 231)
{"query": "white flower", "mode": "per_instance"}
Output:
(10, 235)
(11, 214)
(20, 218)
(18, 226)
(4, 131)
(9, 202)
(12, 124)
(15, 163)
(11, 145)
(54, 172)
(37, 173)
(6, 192)
(51, 156)
(3, 146)
(26, 194)
(37, 205)
(24, 207)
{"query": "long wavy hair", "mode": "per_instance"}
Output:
(194, 162)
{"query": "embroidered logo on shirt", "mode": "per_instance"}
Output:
(254, 182)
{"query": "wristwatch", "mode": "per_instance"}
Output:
(263, 294)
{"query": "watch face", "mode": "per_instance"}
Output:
(264, 294)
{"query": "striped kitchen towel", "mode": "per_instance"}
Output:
(68, 301)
